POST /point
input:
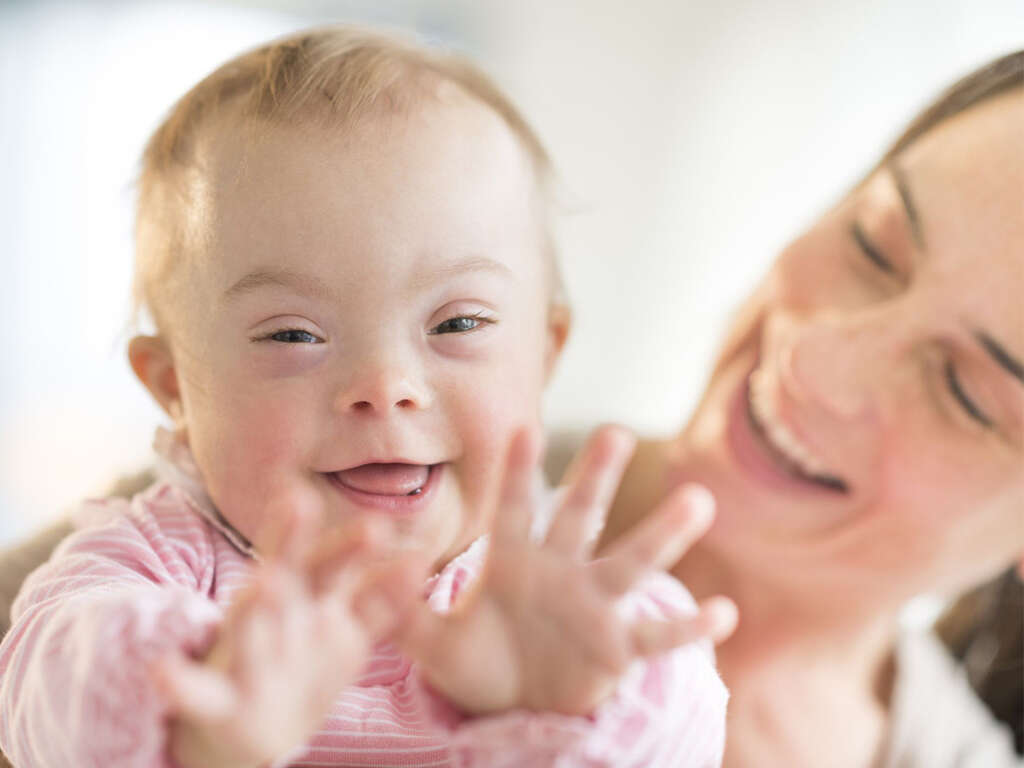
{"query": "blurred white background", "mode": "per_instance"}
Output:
(692, 140)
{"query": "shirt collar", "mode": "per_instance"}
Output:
(176, 466)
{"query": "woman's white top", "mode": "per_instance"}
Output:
(936, 720)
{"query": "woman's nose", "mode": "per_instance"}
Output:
(839, 362)
(380, 387)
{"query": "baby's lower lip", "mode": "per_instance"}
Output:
(397, 504)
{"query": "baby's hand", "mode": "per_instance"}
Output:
(300, 632)
(541, 630)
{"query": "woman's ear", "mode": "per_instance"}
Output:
(559, 323)
(153, 363)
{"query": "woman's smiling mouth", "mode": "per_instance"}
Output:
(769, 448)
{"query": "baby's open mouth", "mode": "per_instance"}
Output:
(386, 479)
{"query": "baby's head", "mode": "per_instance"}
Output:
(343, 242)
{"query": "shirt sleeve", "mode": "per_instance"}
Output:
(667, 711)
(75, 668)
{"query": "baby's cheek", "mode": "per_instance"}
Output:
(246, 460)
(489, 425)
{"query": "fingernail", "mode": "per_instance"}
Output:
(625, 437)
(722, 616)
(701, 503)
(617, 438)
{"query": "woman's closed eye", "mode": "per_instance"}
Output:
(870, 250)
(952, 381)
(961, 396)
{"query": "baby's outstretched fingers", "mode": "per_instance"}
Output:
(715, 620)
(659, 541)
(514, 513)
(590, 487)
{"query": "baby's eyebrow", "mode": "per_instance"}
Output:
(283, 278)
(461, 266)
(314, 286)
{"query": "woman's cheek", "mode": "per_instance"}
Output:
(930, 488)
(823, 271)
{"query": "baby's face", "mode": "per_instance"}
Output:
(370, 323)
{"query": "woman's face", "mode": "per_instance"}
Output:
(865, 424)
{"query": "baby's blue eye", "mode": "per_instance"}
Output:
(457, 325)
(294, 336)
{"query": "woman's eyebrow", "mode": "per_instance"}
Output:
(1000, 355)
(899, 176)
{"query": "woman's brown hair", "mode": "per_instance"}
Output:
(984, 628)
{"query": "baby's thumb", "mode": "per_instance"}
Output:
(193, 691)
(388, 593)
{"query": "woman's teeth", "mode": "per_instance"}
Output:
(786, 444)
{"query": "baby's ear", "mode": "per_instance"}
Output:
(153, 363)
(559, 324)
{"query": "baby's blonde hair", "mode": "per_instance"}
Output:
(326, 76)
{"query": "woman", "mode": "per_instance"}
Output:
(863, 434)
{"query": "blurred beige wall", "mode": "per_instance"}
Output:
(692, 140)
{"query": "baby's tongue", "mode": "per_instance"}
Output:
(385, 479)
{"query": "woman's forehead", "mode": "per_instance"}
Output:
(966, 175)
(961, 190)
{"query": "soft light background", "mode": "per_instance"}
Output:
(692, 140)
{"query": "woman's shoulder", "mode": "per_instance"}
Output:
(936, 720)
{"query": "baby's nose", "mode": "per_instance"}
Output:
(382, 388)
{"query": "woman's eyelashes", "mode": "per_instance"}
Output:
(870, 250)
(972, 409)
(952, 380)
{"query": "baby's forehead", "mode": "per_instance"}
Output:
(448, 180)
(235, 129)
(252, 156)
(452, 127)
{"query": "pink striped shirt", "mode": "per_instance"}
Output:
(155, 574)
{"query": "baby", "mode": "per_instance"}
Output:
(342, 240)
